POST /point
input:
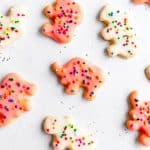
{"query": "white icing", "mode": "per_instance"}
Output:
(72, 138)
(119, 32)
(12, 26)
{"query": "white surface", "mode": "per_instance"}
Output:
(32, 55)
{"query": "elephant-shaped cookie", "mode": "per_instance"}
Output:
(79, 73)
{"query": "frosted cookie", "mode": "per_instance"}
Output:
(119, 32)
(79, 73)
(142, 1)
(67, 135)
(14, 92)
(12, 26)
(147, 72)
(139, 118)
(65, 16)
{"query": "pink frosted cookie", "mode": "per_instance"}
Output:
(140, 118)
(12, 26)
(65, 16)
(79, 73)
(66, 134)
(142, 1)
(14, 92)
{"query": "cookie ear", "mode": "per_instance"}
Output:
(132, 98)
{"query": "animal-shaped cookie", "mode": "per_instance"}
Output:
(79, 73)
(139, 118)
(147, 72)
(65, 16)
(14, 92)
(119, 32)
(67, 135)
(142, 1)
(12, 26)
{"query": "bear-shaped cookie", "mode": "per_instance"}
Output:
(67, 135)
(119, 32)
(79, 73)
(65, 16)
(12, 26)
(142, 1)
(14, 92)
(139, 118)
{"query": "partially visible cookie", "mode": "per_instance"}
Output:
(147, 72)
(119, 32)
(142, 1)
(65, 15)
(14, 92)
(139, 118)
(67, 135)
(12, 26)
(79, 73)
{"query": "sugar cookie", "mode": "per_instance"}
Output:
(66, 135)
(119, 32)
(140, 118)
(14, 92)
(147, 72)
(142, 1)
(12, 26)
(65, 16)
(79, 73)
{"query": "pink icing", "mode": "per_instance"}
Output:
(79, 73)
(65, 16)
(140, 118)
(141, 1)
(13, 92)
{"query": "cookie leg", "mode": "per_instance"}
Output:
(47, 30)
(133, 125)
(89, 94)
(144, 139)
(72, 89)
(26, 105)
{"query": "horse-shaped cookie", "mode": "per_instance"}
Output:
(14, 92)
(66, 135)
(139, 118)
(79, 73)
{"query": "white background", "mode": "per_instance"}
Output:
(32, 55)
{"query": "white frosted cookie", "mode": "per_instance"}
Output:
(119, 32)
(66, 135)
(12, 25)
